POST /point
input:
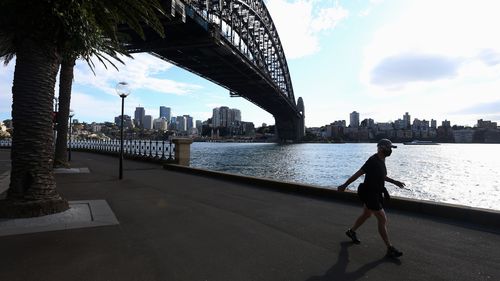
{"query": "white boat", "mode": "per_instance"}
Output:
(419, 142)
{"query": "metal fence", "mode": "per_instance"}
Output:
(145, 149)
(5, 143)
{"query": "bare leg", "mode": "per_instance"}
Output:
(382, 226)
(362, 218)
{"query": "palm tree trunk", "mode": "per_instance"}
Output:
(32, 190)
(65, 83)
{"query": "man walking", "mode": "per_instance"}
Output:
(370, 192)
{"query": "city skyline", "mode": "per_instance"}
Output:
(406, 118)
(376, 56)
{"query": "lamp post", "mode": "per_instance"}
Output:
(123, 90)
(71, 114)
(54, 118)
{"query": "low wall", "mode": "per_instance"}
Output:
(463, 214)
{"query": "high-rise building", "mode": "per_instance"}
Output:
(165, 112)
(399, 124)
(407, 120)
(433, 124)
(354, 119)
(198, 125)
(486, 124)
(216, 117)
(148, 122)
(368, 123)
(446, 124)
(173, 123)
(127, 121)
(181, 123)
(236, 115)
(189, 122)
(139, 116)
(225, 117)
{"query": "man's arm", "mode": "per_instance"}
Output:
(351, 179)
(395, 182)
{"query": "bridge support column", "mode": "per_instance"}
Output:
(291, 128)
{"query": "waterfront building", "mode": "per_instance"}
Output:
(235, 115)
(368, 123)
(446, 124)
(225, 117)
(248, 129)
(354, 119)
(181, 124)
(486, 124)
(433, 124)
(340, 123)
(148, 122)
(407, 121)
(334, 130)
(399, 124)
(385, 126)
(215, 117)
(189, 122)
(96, 128)
(198, 125)
(160, 124)
(173, 123)
(127, 121)
(463, 136)
(139, 116)
(165, 112)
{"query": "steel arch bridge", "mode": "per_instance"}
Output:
(235, 44)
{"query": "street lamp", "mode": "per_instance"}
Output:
(123, 90)
(71, 114)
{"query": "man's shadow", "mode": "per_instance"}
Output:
(338, 270)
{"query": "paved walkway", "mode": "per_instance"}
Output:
(176, 226)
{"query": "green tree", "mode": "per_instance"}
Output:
(39, 34)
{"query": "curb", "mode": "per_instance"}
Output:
(470, 215)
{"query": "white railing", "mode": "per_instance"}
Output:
(148, 149)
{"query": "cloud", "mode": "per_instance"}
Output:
(85, 107)
(489, 57)
(367, 11)
(141, 73)
(299, 24)
(481, 108)
(413, 67)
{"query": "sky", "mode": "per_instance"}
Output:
(436, 59)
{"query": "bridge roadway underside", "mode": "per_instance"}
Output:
(198, 48)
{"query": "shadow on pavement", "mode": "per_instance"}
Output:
(338, 271)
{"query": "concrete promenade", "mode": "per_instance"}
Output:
(177, 226)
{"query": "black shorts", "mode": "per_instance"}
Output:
(373, 200)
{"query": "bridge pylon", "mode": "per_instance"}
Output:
(291, 128)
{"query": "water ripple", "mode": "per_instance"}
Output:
(465, 174)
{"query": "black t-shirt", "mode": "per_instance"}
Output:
(375, 173)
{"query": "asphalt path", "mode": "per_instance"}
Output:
(177, 226)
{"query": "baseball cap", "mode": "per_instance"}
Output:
(385, 143)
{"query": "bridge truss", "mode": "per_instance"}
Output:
(247, 25)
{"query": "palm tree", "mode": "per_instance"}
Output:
(75, 48)
(65, 84)
(38, 33)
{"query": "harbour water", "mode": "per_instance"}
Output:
(464, 174)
